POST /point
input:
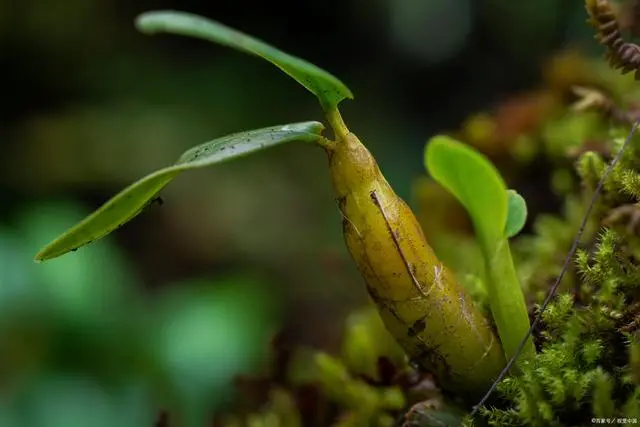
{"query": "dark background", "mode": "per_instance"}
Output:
(163, 312)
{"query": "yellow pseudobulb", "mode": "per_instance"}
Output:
(418, 298)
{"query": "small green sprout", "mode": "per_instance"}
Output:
(497, 215)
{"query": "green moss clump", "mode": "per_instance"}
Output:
(584, 368)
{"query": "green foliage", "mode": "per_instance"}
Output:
(474, 181)
(537, 255)
(585, 364)
(280, 411)
(580, 371)
(430, 414)
(570, 131)
(78, 332)
(351, 390)
(365, 341)
(131, 201)
(367, 405)
(347, 396)
(134, 199)
(589, 359)
(516, 214)
(603, 405)
(217, 338)
(329, 90)
(477, 184)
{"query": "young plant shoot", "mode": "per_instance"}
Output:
(497, 214)
(419, 300)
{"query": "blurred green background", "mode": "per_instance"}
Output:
(162, 314)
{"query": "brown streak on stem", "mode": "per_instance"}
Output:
(416, 283)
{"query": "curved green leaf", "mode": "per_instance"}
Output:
(474, 181)
(134, 199)
(329, 90)
(477, 184)
(517, 214)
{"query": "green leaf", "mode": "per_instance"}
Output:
(474, 181)
(329, 90)
(517, 214)
(477, 184)
(134, 199)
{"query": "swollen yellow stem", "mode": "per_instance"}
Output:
(417, 297)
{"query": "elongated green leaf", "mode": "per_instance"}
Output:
(329, 90)
(133, 199)
(474, 181)
(517, 215)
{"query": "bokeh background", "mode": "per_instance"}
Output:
(163, 314)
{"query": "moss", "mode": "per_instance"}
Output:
(584, 368)
(587, 360)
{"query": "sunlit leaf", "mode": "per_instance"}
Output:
(329, 90)
(517, 214)
(134, 199)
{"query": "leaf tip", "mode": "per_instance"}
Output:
(149, 22)
(41, 256)
(317, 127)
(52, 250)
(434, 144)
(141, 22)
